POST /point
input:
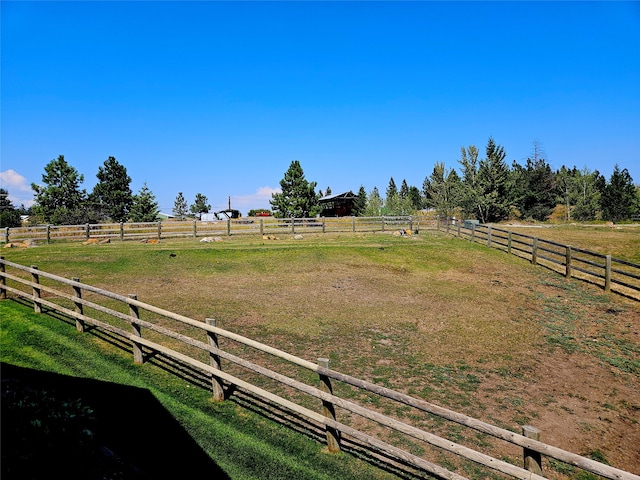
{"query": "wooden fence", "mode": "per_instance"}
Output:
(195, 228)
(150, 332)
(612, 274)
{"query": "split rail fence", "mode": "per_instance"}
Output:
(308, 390)
(612, 274)
(196, 228)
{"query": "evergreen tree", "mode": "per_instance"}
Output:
(443, 190)
(144, 207)
(180, 206)
(534, 189)
(360, 203)
(297, 198)
(414, 198)
(200, 206)
(9, 215)
(469, 195)
(619, 197)
(392, 204)
(112, 196)
(60, 200)
(491, 186)
(404, 189)
(374, 204)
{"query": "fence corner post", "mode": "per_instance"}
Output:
(3, 281)
(138, 357)
(216, 383)
(37, 306)
(607, 274)
(532, 459)
(77, 290)
(567, 262)
(328, 409)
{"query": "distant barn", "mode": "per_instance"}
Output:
(340, 205)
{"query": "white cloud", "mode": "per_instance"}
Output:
(254, 201)
(20, 192)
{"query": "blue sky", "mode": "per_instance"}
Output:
(219, 97)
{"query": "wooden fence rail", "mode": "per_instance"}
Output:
(612, 274)
(125, 316)
(196, 228)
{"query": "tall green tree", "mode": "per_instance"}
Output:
(145, 206)
(375, 204)
(492, 182)
(180, 206)
(298, 197)
(200, 206)
(619, 200)
(414, 198)
(535, 190)
(443, 190)
(469, 195)
(60, 200)
(112, 195)
(360, 202)
(392, 202)
(9, 215)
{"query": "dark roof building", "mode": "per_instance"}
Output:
(340, 205)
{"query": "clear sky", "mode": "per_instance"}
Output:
(218, 98)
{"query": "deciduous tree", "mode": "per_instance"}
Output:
(9, 215)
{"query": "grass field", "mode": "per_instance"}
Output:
(437, 317)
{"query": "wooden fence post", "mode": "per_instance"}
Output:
(138, 358)
(509, 243)
(353, 223)
(6, 235)
(216, 383)
(383, 223)
(324, 224)
(87, 232)
(410, 223)
(448, 222)
(293, 225)
(532, 459)
(458, 228)
(37, 307)
(3, 282)
(121, 231)
(437, 222)
(195, 229)
(329, 411)
(534, 252)
(159, 230)
(473, 232)
(607, 274)
(48, 233)
(489, 236)
(567, 262)
(228, 227)
(262, 226)
(77, 290)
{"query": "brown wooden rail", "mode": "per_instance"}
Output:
(27, 282)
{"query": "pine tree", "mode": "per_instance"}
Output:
(144, 207)
(297, 198)
(619, 199)
(200, 206)
(491, 187)
(112, 195)
(9, 215)
(360, 203)
(180, 206)
(60, 200)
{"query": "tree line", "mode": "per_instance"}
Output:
(487, 189)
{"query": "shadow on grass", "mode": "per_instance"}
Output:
(59, 426)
